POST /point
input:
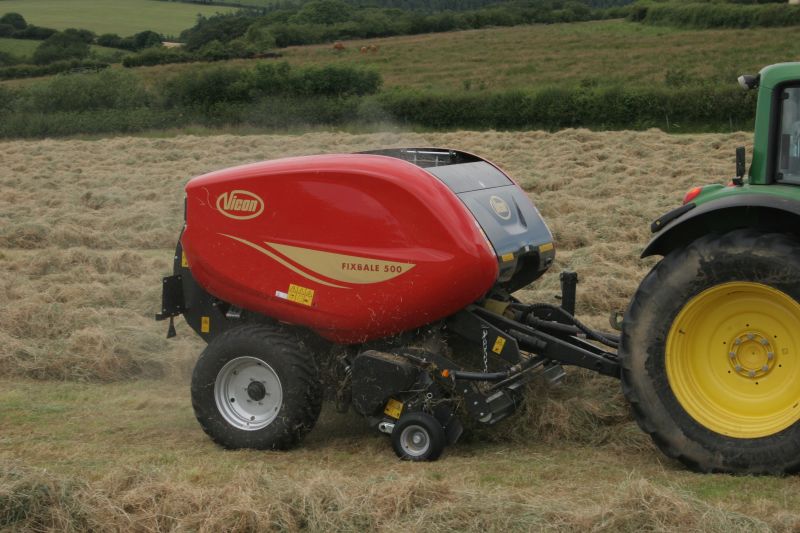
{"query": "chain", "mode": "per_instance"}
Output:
(485, 349)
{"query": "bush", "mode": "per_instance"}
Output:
(6, 30)
(84, 35)
(329, 20)
(157, 56)
(717, 15)
(222, 28)
(14, 20)
(145, 39)
(111, 89)
(139, 41)
(7, 98)
(7, 59)
(32, 71)
(38, 124)
(554, 108)
(204, 88)
(334, 81)
(36, 33)
(61, 46)
(110, 40)
(323, 12)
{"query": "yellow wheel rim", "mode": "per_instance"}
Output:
(732, 359)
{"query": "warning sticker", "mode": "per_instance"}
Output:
(507, 257)
(498, 345)
(184, 261)
(299, 294)
(393, 408)
(546, 247)
(205, 324)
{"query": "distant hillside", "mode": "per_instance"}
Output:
(423, 6)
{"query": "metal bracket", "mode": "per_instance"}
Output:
(172, 302)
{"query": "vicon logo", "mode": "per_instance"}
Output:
(241, 205)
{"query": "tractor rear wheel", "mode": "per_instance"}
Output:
(255, 386)
(710, 353)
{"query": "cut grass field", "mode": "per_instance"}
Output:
(603, 52)
(131, 457)
(123, 17)
(97, 431)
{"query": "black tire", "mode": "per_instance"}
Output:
(427, 429)
(738, 256)
(257, 347)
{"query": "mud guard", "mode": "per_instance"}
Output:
(754, 210)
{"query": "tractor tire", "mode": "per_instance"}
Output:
(255, 386)
(710, 353)
(418, 437)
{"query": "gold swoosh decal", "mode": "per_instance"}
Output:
(282, 261)
(344, 268)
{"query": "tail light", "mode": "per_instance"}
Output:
(692, 194)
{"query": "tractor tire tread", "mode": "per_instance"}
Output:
(657, 420)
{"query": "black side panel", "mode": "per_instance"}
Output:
(498, 343)
(377, 376)
(204, 313)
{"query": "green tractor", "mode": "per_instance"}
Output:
(710, 345)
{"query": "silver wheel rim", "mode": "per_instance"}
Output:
(415, 440)
(248, 393)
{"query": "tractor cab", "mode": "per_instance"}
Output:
(754, 199)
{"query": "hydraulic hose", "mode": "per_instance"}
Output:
(604, 338)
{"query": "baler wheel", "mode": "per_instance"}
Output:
(418, 437)
(255, 386)
(710, 353)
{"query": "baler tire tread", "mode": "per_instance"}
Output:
(432, 427)
(686, 440)
(301, 415)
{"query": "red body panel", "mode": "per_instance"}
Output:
(355, 247)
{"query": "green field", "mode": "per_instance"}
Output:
(604, 52)
(18, 47)
(124, 17)
(24, 48)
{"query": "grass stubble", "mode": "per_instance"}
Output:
(96, 428)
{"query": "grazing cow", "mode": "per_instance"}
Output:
(338, 46)
(363, 49)
(373, 48)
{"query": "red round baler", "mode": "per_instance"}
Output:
(391, 272)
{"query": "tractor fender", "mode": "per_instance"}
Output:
(768, 212)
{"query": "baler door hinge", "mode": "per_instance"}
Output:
(172, 303)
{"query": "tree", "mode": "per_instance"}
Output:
(60, 46)
(324, 12)
(222, 28)
(14, 19)
(260, 37)
(146, 39)
(84, 35)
